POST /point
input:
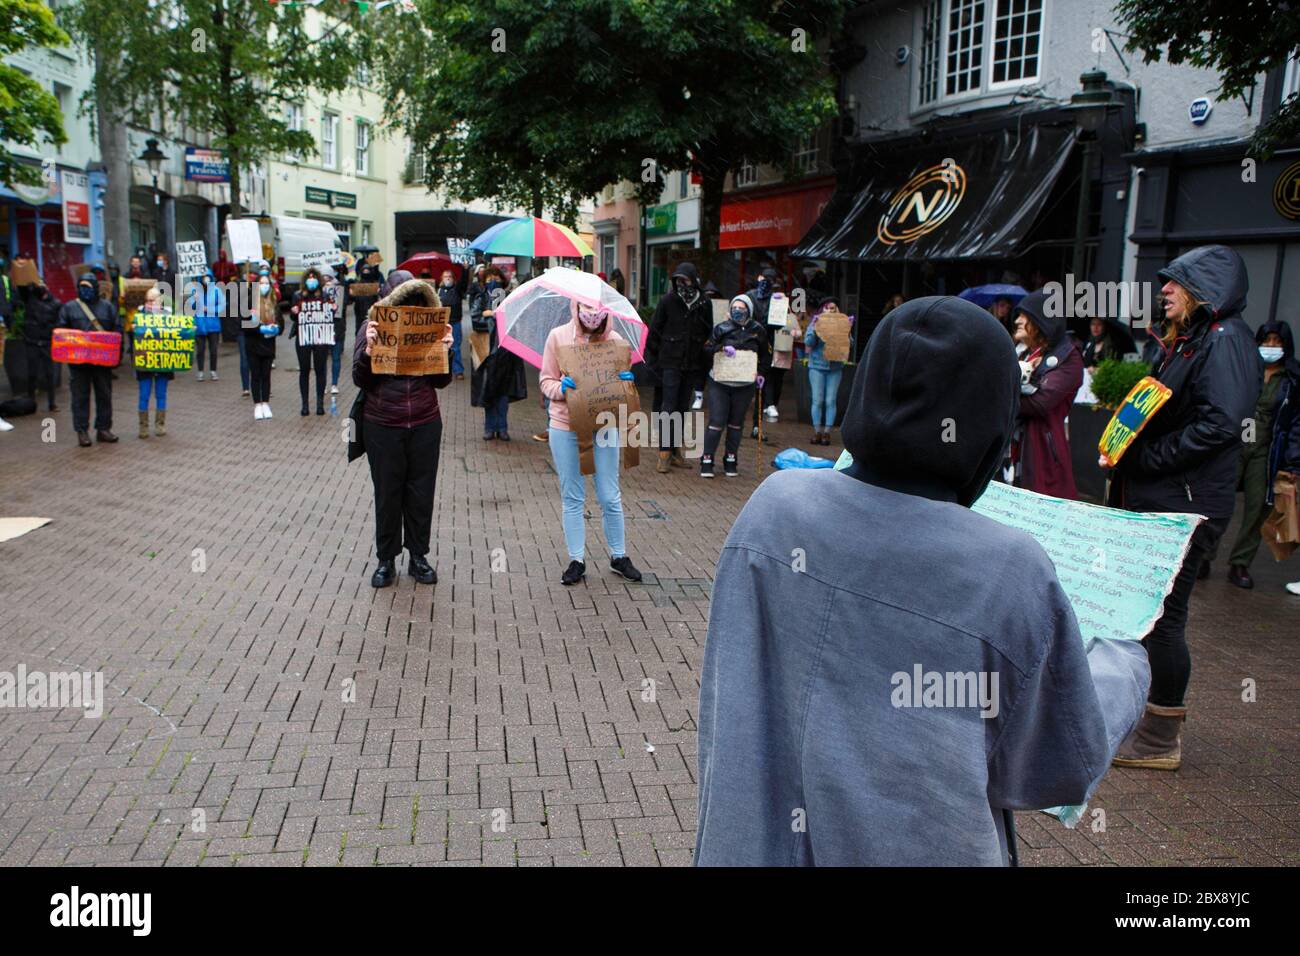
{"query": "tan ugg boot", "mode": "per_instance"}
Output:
(144, 424)
(160, 422)
(1155, 743)
(665, 459)
(677, 461)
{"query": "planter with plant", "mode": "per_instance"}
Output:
(1113, 379)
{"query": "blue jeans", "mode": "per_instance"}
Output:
(573, 490)
(337, 358)
(243, 360)
(457, 366)
(825, 389)
(494, 415)
(147, 384)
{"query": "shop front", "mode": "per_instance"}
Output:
(672, 235)
(52, 223)
(760, 227)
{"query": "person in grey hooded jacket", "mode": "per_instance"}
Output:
(835, 588)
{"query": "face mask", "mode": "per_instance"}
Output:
(590, 320)
(312, 284)
(739, 315)
(264, 272)
(160, 263)
(85, 293)
(493, 284)
(205, 280)
(264, 288)
(1270, 353)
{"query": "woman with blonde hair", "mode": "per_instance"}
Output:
(1185, 460)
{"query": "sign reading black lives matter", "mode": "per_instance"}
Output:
(315, 322)
(411, 340)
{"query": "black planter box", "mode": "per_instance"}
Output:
(1086, 425)
(16, 366)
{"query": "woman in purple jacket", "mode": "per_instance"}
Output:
(401, 431)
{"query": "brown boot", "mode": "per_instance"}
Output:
(160, 422)
(1154, 743)
(144, 424)
(677, 461)
(665, 459)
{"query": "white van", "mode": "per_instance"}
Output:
(285, 239)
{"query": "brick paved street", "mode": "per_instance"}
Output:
(496, 697)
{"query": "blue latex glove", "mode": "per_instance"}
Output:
(627, 376)
(567, 383)
(758, 380)
(269, 330)
(730, 351)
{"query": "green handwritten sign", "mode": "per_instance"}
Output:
(163, 342)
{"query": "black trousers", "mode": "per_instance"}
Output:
(40, 368)
(771, 391)
(727, 404)
(309, 357)
(259, 376)
(81, 379)
(672, 395)
(404, 471)
(360, 308)
(210, 341)
(1171, 662)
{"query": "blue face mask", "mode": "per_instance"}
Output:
(85, 293)
(739, 316)
(312, 284)
(1270, 353)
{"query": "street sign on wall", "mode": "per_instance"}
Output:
(206, 165)
(331, 197)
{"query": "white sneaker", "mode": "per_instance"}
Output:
(1294, 587)
(214, 375)
(334, 389)
(5, 426)
(771, 414)
(244, 393)
(200, 376)
(266, 410)
(257, 412)
(699, 402)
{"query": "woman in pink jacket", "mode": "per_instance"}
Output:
(587, 325)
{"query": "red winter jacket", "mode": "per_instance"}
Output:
(1044, 449)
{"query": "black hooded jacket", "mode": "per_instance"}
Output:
(73, 316)
(678, 331)
(1185, 459)
(934, 401)
(41, 316)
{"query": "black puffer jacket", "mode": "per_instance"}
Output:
(746, 337)
(678, 331)
(1186, 457)
(41, 315)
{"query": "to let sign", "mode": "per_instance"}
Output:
(412, 340)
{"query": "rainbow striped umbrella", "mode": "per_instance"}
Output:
(531, 236)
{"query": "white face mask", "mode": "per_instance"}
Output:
(591, 321)
(264, 287)
(1270, 353)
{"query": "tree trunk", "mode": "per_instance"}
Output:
(233, 160)
(713, 175)
(113, 146)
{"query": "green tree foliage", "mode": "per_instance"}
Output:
(230, 67)
(544, 103)
(1240, 39)
(28, 113)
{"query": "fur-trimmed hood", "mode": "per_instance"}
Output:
(401, 288)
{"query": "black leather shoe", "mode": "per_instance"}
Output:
(320, 410)
(421, 570)
(574, 573)
(83, 439)
(1240, 576)
(305, 411)
(488, 436)
(503, 436)
(625, 567)
(104, 435)
(384, 575)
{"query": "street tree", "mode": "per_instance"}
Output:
(29, 114)
(1239, 39)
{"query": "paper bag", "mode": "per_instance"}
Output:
(480, 344)
(594, 366)
(1281, 529)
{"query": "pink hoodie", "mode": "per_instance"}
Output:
(569, 334)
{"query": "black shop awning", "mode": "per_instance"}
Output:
(973, 198)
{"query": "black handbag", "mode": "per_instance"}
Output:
(357, 443)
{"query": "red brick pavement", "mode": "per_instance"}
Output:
(498, 717)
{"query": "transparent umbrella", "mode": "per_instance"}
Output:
(526, 316)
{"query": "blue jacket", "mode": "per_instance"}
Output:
(207, 304)
(817, 351)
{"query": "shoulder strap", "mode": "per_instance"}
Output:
(91, 316)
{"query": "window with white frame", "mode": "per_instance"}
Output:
(363, 74)
(294, 120)
(683, 184)
(608, 255)
(363, 148)
(365, 233)
(805, 153)
(969, 47)
(747, 174)
(415, 162)
(1291, 76)
(329, 140)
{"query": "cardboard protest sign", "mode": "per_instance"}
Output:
(1142, 402)
(721, 310)
(480, 344)
(412, 340)
(374, 258)
(783, 341)
(833, 329)
(322, 259)
(163, 342)
(778, 310)
(23, 271)
(741, 368)
(191, 258)
(364, 290)
(133, 292)
(86, 348)
(106, 289)
(315, 322)
(594, 366)
(245, 240)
